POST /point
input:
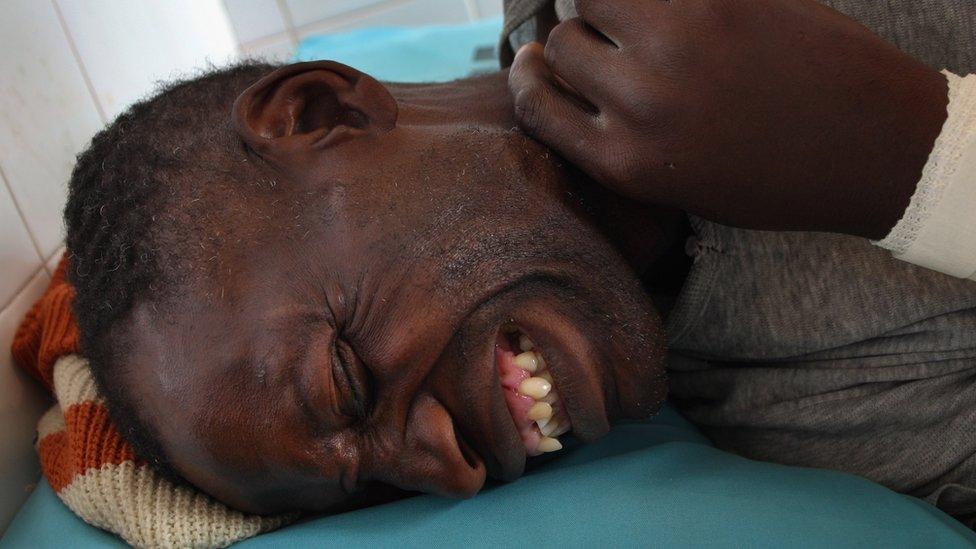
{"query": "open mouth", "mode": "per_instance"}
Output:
(530, 392)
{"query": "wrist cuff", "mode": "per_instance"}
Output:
(938, 229)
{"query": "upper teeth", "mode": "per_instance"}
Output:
(540, 411)
(540, 388)
(535, 387)
(527, 361)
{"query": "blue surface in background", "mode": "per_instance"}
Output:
(422, 54)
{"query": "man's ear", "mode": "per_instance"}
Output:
(308, 107)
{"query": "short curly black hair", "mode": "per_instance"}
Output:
(125, 231)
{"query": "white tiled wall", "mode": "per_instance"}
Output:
(68, 67)
(163, 38)
(48, 116)
(273, 28)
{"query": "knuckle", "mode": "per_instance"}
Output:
(642, 105)
(654, 106)
(558, 33)
(575, 26)
(551, 53)
(675, 49)
(558, 37)
(530, 106)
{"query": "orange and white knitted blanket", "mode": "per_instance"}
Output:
(86, 461)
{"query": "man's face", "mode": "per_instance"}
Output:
(348, 342)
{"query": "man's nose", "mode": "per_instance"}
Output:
(430, 459)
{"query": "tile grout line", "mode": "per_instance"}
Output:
(350, 16)
(23, 287)
(81, 64)
(23, 218)
(238, 45)
(322, 24)
(292, 33)
(89, 85)
(269, 40)
(264, 41)
(289, 21)
(27, 229)
(474, 14)
(61, 250)
(13, 197)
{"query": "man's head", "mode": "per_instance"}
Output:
(292, 283)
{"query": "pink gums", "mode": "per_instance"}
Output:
(518, 405)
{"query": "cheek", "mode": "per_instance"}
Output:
(260, 453)
(299, 472)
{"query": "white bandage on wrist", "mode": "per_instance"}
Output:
(938, 229)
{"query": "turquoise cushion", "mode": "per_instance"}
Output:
(648, 483)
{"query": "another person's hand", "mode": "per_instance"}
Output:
(767, 114)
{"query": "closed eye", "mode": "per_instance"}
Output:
(352, 381)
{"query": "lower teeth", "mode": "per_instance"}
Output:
(547, 445)
(540, 411)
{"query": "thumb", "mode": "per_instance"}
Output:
(548, 111)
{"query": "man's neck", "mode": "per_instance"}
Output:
(477, 101)
(644, 234)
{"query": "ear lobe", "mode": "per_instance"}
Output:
(308, 107)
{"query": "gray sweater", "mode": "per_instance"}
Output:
(821, 350)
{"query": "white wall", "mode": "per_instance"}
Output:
(69, 66)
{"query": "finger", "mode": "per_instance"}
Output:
(547, 111)
(581, 58)
(618, 20)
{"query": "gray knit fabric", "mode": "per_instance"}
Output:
(821, 350)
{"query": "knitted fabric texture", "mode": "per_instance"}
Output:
(86, 461)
